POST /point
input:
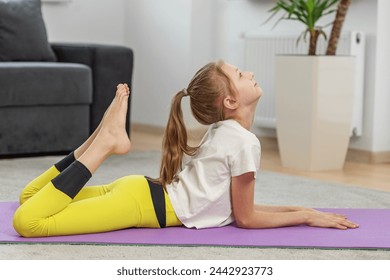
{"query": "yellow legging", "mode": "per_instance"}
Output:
(126, 202)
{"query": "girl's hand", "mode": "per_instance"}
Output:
(329, 220)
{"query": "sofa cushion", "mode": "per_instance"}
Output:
(43, 129)
(23, 34)
(44, 83)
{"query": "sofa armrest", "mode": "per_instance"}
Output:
(110, 66)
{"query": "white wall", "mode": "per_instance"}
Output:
(171, 39)
(86, 21)
(381, 112)
(367, 10)
(160, 36)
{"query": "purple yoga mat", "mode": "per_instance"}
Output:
(373, 233)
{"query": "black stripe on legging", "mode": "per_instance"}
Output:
(65, 162)
(158, 198)
(72, 179)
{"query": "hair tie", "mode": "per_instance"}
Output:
(185, 92)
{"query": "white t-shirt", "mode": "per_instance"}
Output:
(201, 197)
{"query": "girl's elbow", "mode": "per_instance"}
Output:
(244, 222)
(252, 221)
(244, 219)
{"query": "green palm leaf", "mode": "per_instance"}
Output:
(308, 12)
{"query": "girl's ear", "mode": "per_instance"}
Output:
(230, 102)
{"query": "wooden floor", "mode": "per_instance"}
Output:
(372, 176)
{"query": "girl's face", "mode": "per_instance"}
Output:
(249, 91)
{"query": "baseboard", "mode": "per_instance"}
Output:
(368, 156)
(194, 134)
(147, 128)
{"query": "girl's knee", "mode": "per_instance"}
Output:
(37, 184)
(27, 193)
(23, 224)
(19, 222)
(24, 196)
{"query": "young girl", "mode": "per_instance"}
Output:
(207, 186)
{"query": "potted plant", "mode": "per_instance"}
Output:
(314, 93)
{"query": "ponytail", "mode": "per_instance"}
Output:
(174, 142)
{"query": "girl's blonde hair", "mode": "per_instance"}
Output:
(206, 91)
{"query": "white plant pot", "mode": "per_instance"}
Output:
(314, 101)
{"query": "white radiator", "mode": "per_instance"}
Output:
(260, 54)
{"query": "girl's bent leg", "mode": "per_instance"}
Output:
(50, 200)
(53, 200)
(37, 184)
(32, 218)
(42, 180)
(126, 204)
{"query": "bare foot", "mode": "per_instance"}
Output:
(113, 127)
(118, 87)
(80, 150)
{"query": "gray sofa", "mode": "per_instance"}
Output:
(51, 101)
(51, 107)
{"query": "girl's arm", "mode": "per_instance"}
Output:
(248, 215)
(271, 208)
